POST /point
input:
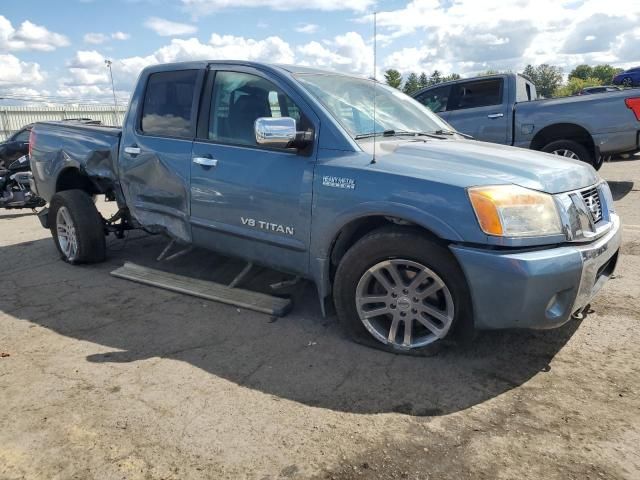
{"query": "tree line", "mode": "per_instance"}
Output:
(548, 79)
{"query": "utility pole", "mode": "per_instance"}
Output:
(113, 89)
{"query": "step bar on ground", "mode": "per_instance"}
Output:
(258, 302)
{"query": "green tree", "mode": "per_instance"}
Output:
(451, 77)
(546, 78)
(605, 73)
(529, 71)
(423, 80)
(574, 85)
(582, 72)
(435, 78)
(412, 84)
(393, 78)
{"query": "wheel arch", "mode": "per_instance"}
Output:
(71, 178)
(564, 131)
(359, 227)
(355, 226)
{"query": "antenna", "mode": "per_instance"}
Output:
(375, 59)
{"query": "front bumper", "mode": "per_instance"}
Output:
(540, 288)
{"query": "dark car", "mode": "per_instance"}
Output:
(628, 78)
(599, 89)
(15, 146)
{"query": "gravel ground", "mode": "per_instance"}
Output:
(106, 379)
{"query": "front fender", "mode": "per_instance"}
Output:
(323, 238)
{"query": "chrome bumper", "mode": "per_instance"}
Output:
(598, 263)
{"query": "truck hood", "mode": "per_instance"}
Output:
(468, 163)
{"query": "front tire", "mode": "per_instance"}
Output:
(399, 291)
(77, 227)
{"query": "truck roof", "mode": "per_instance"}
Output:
(292, 69)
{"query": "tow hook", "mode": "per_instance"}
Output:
(582, 313)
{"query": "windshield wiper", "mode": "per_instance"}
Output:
(397, 133)
(385, 133)
(451, 132)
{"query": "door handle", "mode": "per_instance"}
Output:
(495, 115)
(205, 162)
(132, 150)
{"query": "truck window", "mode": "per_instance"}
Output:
(239, 99)
(22, 136)
(479, 93)
(168, 101)
(435, 99)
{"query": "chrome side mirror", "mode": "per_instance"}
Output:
(275, 132)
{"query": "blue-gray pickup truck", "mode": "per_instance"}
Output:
(416, 233)
(503, 109)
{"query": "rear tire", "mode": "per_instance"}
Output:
(77, 227)
(572, 150)
(430, 317)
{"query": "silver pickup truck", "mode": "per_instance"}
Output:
(503, 109)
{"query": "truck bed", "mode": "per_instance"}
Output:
(89, 148)
(605, 116)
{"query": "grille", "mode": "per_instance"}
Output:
(591, 197)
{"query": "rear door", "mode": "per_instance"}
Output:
(248, 200)
(480, 108)
(155, 154)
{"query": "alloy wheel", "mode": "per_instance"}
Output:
(563, 152)
(66, 234)
(404, 303)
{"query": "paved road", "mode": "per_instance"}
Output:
(108, 379)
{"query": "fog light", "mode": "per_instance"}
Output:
(558, 304)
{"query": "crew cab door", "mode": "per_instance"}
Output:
(248, 200)
(155, 149)
(480, 108)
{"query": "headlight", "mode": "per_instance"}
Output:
(512, 211)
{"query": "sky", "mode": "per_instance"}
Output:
(54, 50)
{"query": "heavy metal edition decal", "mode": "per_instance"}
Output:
(339, 182)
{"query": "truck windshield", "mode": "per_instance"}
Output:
(350, 100)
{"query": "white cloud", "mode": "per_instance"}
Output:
(87, 68)
(307, 28)
(88, 75)
(467, 36)
(347, 52)
(167, 28)
(120, 36)
(14, 72)
(100, 38)
(95, 38)
(204, 7)
(29, 36)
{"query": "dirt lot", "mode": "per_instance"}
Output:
(106, 379)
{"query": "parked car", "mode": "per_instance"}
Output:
(503, 109)
(14, 147)
(628, 78)
(417, 233)
(599, 89)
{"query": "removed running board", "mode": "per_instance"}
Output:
(258, 302)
